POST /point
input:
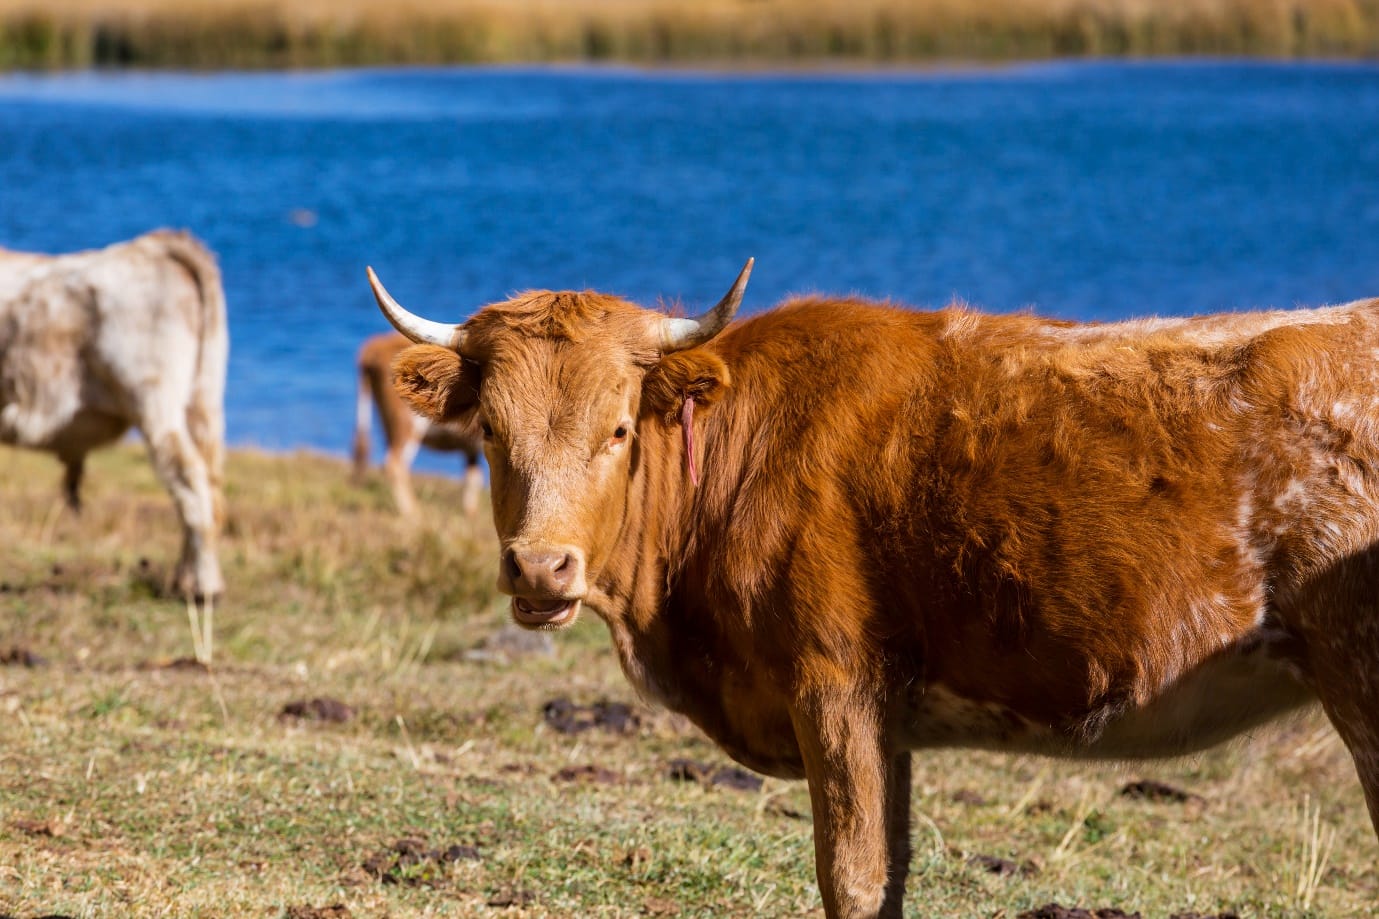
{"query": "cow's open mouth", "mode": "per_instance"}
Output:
(549, 614)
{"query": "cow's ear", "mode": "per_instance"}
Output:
(436, 382)
(696, 372)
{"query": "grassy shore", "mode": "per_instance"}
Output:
(134, 782)
(317, 33)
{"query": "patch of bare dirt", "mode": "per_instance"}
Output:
(1159, 793)
(17, 656)
(565, 717)
(177, 665)
(968, 796)
(334, 911)
(687, 770)
(780, 809)
(1054, 911)
(589, 775)
(510, 644)
(1226, 915)
(1002, 867)
(53, 827)
(411, 862)
(318, 709)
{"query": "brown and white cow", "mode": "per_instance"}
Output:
(133, 335)
(406, 432)
(914, 529)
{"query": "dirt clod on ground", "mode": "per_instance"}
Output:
(1002, 867)
(968, 796)
(1054, 911)
(53, 827)
(318, 709)
(180, 664)
(334, 911)
(16, 656)
(512, 897)
(687, 770)
(509, 644)
(1157, 792)
(412, 862)
(589, 775)
(565, 717)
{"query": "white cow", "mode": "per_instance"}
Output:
(133, 335)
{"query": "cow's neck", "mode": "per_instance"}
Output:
(651, 543)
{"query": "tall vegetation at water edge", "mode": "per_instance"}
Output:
(310, 33)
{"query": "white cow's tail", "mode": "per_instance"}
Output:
(206, 407)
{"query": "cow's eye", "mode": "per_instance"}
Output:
(620, 434)
(486, 428)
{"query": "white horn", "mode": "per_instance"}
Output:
(679, 334)
(421, 331)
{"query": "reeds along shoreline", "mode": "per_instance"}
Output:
(318, 33)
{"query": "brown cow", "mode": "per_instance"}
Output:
(405, 431)
(914, 529)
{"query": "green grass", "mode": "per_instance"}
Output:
(129, 787)
(333, 33)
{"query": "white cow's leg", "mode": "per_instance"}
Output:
(182, 469)
(856, 811)
(396, 466)
(473, 487)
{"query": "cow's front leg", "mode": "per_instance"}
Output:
(856, 812)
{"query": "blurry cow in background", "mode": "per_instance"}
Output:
(405, 431)
(133, 335)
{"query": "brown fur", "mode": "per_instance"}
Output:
(403, 431)
(924, 528)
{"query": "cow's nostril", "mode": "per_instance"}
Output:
(561, 562)
(511, 566)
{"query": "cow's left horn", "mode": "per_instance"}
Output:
(679, 334)
(421, 331)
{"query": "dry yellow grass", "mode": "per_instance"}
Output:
(214, 33)
(132, 785)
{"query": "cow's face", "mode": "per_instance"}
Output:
(559, 385)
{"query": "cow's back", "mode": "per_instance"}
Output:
(1048, 519)
(86, 337)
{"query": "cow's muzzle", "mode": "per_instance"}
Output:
(546, 583)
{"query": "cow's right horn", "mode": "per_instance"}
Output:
(679, 334)
(421, 331)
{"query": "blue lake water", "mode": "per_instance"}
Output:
(1088, 191)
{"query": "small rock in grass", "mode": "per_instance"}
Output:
(512, 643)
(968, 796)
(1055, 911)
(15, 656)
(687, 770)
(1002, 867)
(588, 775)
(565, 717)
(512, 897)
(1158, 792)
(334, 911)
(410, 861)
(318, 709)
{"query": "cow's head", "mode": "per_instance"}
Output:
(560, 383)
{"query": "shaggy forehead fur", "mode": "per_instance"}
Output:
(587, 318)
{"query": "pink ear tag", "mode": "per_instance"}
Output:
(687, 422)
